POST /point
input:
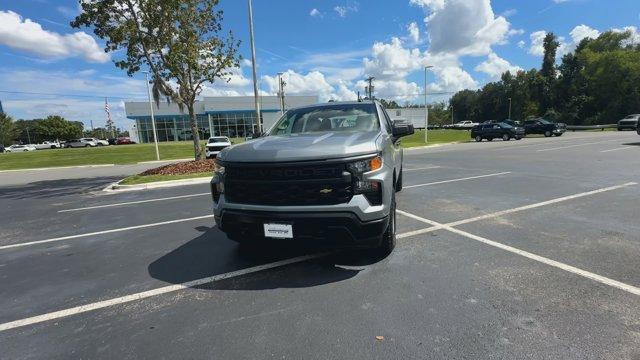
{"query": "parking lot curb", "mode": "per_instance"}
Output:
(433, 146)
(116, 187)
(164, 161)
(60, 167)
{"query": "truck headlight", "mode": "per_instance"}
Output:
(372, 190)
(363, 166)
(217, 181)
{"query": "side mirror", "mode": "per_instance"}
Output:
(402, 128)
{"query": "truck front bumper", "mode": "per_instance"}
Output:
(332, 229)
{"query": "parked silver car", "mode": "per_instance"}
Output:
(327, 174)
(79, 143)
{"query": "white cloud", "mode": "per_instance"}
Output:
(392, 60)
(315, 13)
(433, 5)
(634, 39)
(414, 32)
(537, 43)
(343, 10)
(509, 12)
(521, 44)
(581, 32)
(465, 27)
(29, 36)
(313, 83)
(495, 66)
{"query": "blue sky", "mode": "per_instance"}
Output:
(325, 48)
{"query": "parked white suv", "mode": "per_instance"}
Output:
(215, 145)
(79, 143)
(97, 141)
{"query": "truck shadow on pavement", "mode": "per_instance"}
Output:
(212, 253)
(55, 188)
(632, 144)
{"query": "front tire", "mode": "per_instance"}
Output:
(506, 137)
(478, 138)
(547, 133)
(389, 236)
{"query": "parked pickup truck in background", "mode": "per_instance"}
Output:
(544, 127)
(324, 174)
(215, 145)
(629, 123)
(465, 125)
(48, 145)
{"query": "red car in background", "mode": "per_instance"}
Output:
(124, 141)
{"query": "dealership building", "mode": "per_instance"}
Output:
(232, 116)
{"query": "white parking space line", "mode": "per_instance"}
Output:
(572, 269)
(132, 202)
(150, 293)
(71, 237)
(456, 180)
(617, 149)
(537, 205)
(422, 168)
(576, 145)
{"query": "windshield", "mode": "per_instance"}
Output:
(328, 118)
(505, 125)
(545, 121)
(218, 140)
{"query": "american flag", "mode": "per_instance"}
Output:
(106, 108)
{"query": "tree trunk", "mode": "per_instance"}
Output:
(197, 150)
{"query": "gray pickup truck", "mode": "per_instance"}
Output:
(325, 174)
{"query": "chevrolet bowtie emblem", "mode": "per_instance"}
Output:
(326, 191)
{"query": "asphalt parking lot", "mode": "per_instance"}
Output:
(520, 249)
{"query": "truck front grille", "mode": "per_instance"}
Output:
(215, 148)
(287, 185)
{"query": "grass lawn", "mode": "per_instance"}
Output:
(131, 154)
(435, 137)
(138, 179)
(118, 154)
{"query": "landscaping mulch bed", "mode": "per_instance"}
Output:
(182, 168)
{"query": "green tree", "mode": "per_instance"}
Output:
(178, 40)
(9, 132)
(55, 127)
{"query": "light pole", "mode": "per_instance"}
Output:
(153, 119)
(253, 66)
(426, 108)
(509, 108)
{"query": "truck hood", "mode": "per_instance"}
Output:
(303, 147)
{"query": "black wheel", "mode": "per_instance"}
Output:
(547, 133)
(489, 139)
(389, 236)
(86, 145)
(518, 137)
(478, 138)
(399, 182)
(99, 144)
(559, 134)
(506, 137)
(53, 146)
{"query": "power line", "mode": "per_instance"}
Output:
(68, 95)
